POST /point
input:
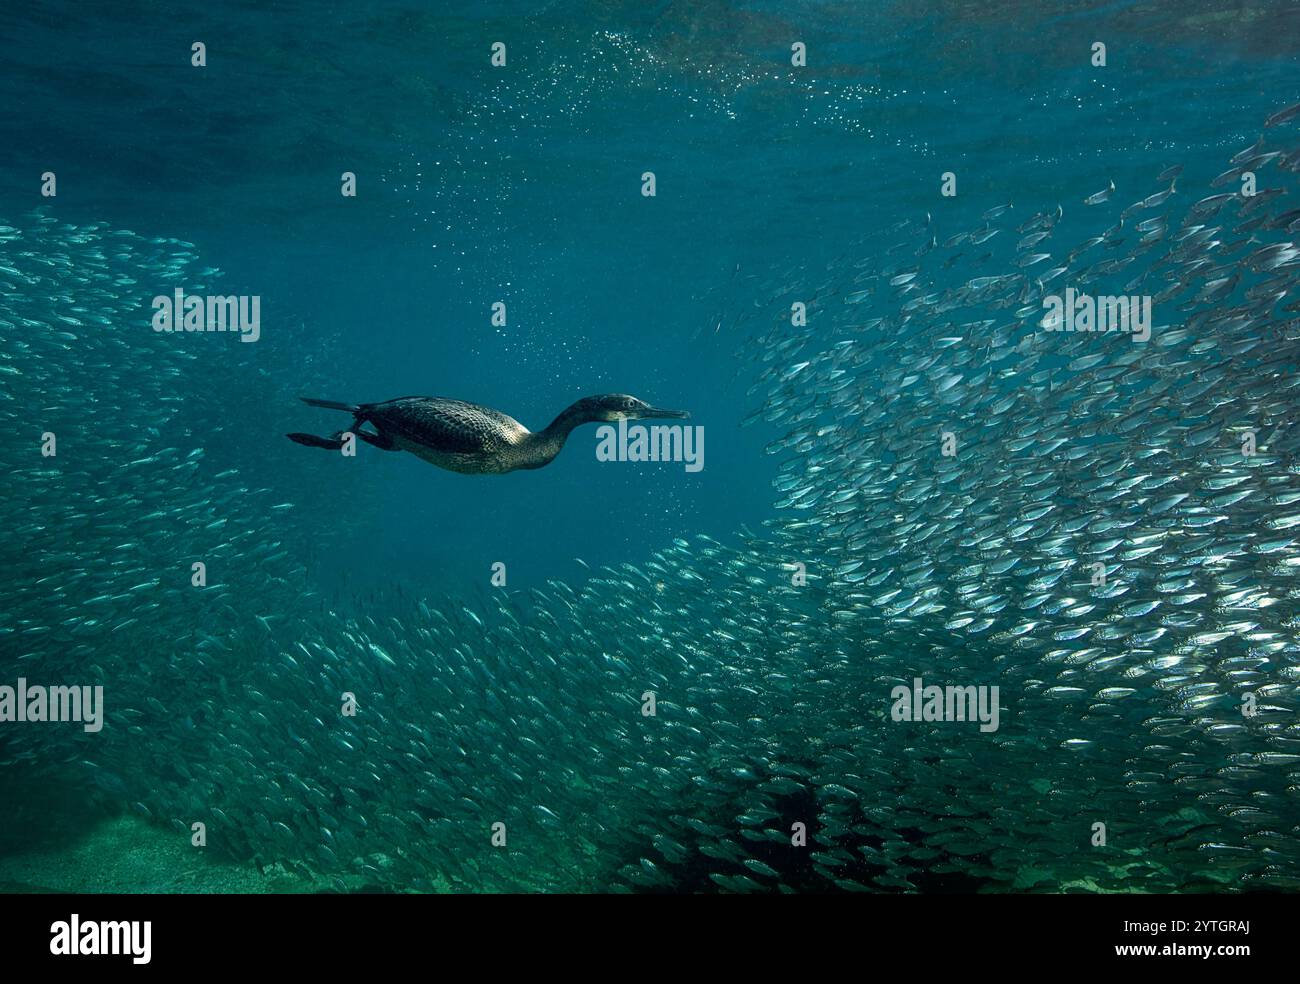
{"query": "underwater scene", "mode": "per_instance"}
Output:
(788, 446)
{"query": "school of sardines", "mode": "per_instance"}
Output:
(1111, 539)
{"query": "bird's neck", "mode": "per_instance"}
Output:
(542, 446)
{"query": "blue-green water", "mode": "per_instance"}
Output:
(523, 704)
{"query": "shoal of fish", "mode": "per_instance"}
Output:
(1071, 453)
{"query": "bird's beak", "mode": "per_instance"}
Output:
(655, 412)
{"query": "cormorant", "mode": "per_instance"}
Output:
(475, 440)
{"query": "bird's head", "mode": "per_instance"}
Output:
(618, 406)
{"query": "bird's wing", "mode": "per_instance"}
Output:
(452, 426)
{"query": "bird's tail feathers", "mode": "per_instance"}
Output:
(330, 404)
